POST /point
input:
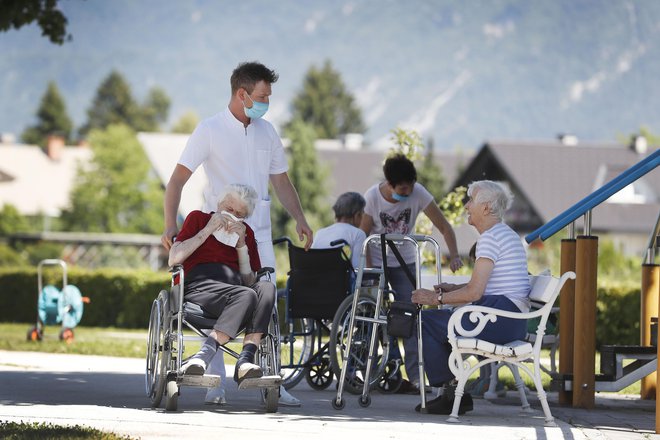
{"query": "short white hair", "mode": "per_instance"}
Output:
(243, 192)
(496, 195)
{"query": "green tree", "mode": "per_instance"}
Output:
(52, 118)
(326, 104)
(429, 173)
(154, 111)
(18, 13)
(186, 123)
(406, 142)
(11, 220)
(117, 192)
(113, 104)
(308, 177)
(651, 138)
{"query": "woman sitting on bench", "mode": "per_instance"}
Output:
(220, 259)
(499, 280)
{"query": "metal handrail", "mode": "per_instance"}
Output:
(596, 198)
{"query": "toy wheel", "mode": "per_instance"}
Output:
(66, 335)
(172, 396)
(271, 398)
(364, 401)
(35, 334)
(320, 376)
(391, 380)
(338, 403)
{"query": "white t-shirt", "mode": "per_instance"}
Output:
(502, 245)
(354, 237)
(395, 218)
(232, 153)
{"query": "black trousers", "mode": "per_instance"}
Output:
(217, 290)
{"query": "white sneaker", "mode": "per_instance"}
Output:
(216, 396)
(287, 399)
(247, 370)
(194, 366)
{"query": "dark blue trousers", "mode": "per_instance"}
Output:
(436, 344)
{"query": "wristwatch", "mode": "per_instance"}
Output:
(440, 298)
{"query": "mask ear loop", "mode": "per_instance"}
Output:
(248, 95)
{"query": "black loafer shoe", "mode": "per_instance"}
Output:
(444, 406)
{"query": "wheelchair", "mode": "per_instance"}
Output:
(170, 315)
(318, 304)
(319, 281)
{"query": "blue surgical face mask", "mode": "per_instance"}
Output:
(399, 197)
(257, 110)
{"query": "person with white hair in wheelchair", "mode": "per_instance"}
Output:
(219, 254)
(499, 280)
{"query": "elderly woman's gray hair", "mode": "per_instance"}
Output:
(244, 192)
(348, 204)
(496, 195)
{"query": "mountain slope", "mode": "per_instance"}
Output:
(460, 72)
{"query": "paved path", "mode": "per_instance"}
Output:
(108, 393)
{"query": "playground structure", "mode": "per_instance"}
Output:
(577, 323)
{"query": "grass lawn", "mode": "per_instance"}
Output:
(106, 341)
(47, 431)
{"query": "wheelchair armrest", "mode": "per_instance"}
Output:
(265, 271)
(176, 268)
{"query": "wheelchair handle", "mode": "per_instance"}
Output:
(282, 240)
(337, 242)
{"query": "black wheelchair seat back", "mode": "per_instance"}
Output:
(319, 280)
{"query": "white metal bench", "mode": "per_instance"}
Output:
(466, 343)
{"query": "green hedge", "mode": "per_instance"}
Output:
(119, 298)
(618, 315)
(123, 298)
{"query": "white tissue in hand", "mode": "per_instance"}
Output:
(223, 236)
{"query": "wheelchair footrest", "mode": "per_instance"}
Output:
(207, 381)
(260, 382)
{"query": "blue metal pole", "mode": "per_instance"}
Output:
(600, 195)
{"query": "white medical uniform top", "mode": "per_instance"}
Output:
(232, 153)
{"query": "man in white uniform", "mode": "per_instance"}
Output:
(237, 146)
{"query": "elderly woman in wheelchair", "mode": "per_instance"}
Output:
(219, 255)
(500, 280)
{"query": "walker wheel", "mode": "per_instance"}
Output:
(34, 334)
(338, 403)
(66, 335)
(364, 401)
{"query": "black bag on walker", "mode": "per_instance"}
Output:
(402, 315)
(402, 319)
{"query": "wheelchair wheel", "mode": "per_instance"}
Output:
(391, 380)
(320, 375)
(356, 360)
(158, 354)
(296, 346)
(267, 356)
(172, 399)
